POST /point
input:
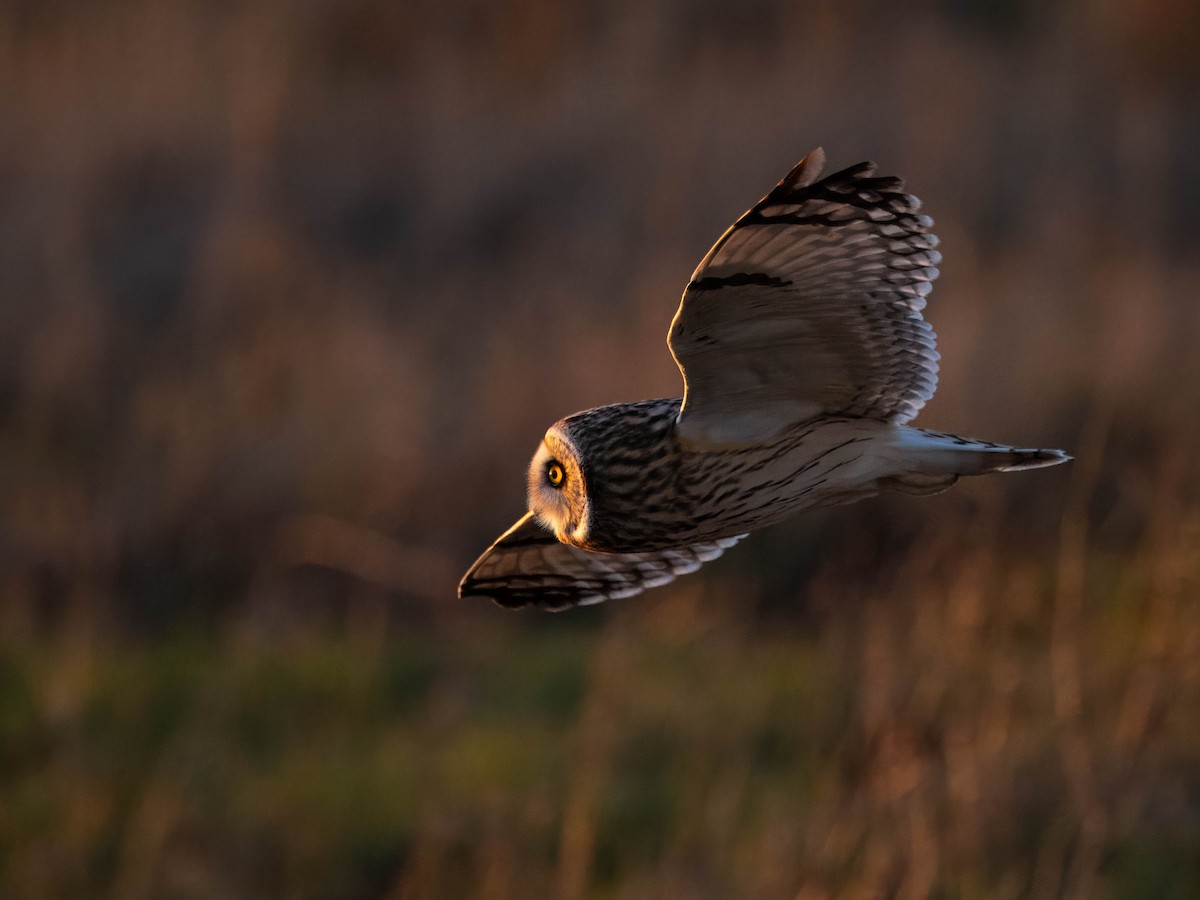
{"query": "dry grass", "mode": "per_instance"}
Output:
(966, 724)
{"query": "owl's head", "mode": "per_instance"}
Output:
(557, 489)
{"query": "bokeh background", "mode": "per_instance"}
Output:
(289, 291)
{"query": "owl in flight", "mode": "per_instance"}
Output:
(804, 356)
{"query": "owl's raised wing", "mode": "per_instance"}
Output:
(810, 303)
(529, 566)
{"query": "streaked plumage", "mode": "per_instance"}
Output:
(804, 355)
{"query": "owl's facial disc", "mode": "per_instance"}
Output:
(557, 493)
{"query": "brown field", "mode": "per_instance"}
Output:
(290, 291)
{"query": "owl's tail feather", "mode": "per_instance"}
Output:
(933, 461)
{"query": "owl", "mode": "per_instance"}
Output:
(804, 357)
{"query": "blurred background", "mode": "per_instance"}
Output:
(289, 291)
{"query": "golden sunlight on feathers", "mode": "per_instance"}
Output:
(804, 355)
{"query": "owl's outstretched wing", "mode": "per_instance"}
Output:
(810, 303)
(529, 566)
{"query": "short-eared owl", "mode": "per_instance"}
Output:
(803, 354)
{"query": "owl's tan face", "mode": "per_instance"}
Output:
(557, 491)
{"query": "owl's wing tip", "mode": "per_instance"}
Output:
(805, 172)
(468, 585)
(500, 598)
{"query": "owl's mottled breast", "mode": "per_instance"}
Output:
(647, 489)
(630, 457)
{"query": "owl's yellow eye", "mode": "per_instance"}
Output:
(555, 474)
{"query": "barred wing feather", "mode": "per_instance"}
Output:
(809, 304)
(527, 565)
